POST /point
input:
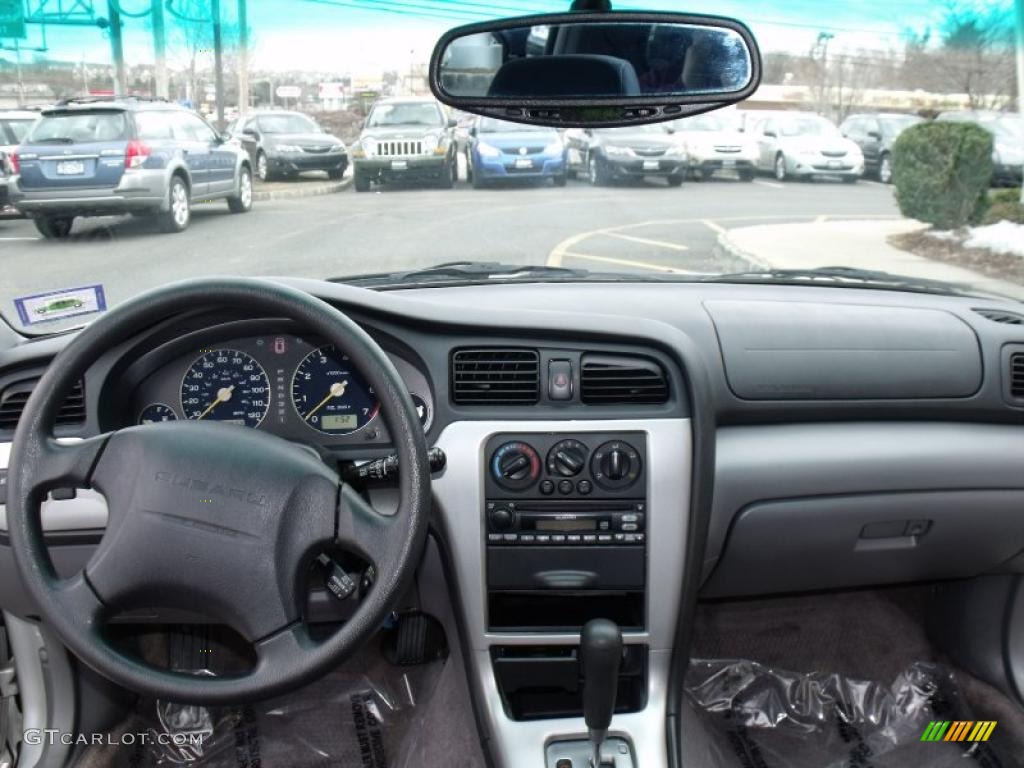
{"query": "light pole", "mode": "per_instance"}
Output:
(1020, 72)
(243, 57)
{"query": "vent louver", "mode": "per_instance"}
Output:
(495, 376)
(14, 397)
(613, 380)
(1017, 375)
(1001, 316)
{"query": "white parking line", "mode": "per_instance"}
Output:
(626, 263)
(771, 184)
(646, 241)
(12, 239)
(717, 228)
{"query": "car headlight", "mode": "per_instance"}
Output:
(339, 147)
(486, 150)
(369, 146)
(613, 151)
(431, 143)
(554, 148)
(287, 148)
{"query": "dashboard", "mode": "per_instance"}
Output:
(277, 381)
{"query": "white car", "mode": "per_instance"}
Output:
(802, 146)
(714, 142)
(14, 125)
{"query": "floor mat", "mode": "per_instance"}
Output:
(770, 718)
(365, 715)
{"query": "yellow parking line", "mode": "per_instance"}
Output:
(627, 263)
(646, 241)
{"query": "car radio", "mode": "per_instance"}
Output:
(565, 513)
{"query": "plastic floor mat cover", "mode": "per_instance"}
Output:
(351, 718)
(770, 718)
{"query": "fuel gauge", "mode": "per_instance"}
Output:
(157, 412)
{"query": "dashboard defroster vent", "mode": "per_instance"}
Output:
(1001, 316)
(14, 397)
(615, 380)
(1017, 375)
(495, 376)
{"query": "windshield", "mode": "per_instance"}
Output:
(356, 168)
(404, 114)
(286, 124)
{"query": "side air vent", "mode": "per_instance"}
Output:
(14, 397)
(1001, 316)
(613, 380)
(495, 376)
(1017, 375)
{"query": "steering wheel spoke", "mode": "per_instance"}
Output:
(67, 463)
(364, 530)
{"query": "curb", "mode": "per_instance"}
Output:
(307, 190)
(726, 244)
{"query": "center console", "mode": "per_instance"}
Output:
(551, 525)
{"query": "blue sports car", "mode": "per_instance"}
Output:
(499, 150)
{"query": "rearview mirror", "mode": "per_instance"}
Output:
(596, 68)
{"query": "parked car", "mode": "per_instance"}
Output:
(714, 142)
(875, 133)
(605, 154)
(502, 150)
(14, 125)
(287, 143)
(803, 146)
(1007, 131)
(101, 156)
(405, 139)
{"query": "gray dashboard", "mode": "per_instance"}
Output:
(793, 394)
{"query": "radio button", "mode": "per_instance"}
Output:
(494, 537)
(543, 538)
(589, 538)
(620, 537)
(558, 538)
(629, 518)
(604, 538)
(629, 527)
(547, 487)
(511, 537)
(574, 538)
(584, 487)
(565, 487)
(527, 538)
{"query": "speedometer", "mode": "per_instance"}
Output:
(330, 395)
(228, 386)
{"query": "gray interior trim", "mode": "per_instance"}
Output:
(459, 494)
(792, 461)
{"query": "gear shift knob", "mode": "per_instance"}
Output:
(600, 656)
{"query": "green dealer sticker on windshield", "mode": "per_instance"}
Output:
(58, 305)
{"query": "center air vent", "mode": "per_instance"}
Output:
(14, 397)
(1001, 316)
(613, 380)
(495, 376)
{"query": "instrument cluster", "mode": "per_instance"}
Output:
(293, 386)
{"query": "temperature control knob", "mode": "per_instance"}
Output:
(567, 458)
(515, 466)
(615, 465)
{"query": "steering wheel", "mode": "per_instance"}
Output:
(207, 516)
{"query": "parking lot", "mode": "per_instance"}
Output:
(347, 233)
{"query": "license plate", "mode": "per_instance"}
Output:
(524, 163)
(728, 163)
(70, 168)
(835, 163)
(399, 165)
(651, 165)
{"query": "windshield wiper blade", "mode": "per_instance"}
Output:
(840, 276)
(54, 140)
(466, 271)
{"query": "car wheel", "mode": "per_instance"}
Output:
(447, 180)
(885, 169)
(360, 182)
(54, 227)
(675, 180)
(335, 174)
(262, 167)
(478, 181)
(746, 175)
(179, 208)
(780, 167)
(242, 202)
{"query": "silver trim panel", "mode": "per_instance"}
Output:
(459, 494)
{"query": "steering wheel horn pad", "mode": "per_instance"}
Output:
(212, 518)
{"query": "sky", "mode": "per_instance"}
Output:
(350, 36)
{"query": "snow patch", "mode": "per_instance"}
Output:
(1001, 237)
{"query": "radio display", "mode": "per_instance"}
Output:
(550, 524)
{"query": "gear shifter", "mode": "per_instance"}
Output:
(600, 655)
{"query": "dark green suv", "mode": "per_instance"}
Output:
(405, 139)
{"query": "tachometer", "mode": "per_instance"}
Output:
(228, 386)
(330, 395)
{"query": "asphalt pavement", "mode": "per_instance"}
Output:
(635, 228)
